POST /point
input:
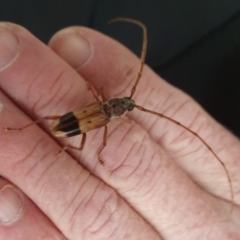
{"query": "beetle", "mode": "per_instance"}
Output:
(98, 114)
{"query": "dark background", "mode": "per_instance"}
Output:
(195, 45)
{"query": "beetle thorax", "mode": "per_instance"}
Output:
(116, 107)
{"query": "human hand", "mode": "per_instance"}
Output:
(158, 182)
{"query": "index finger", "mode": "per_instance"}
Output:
(77, 202)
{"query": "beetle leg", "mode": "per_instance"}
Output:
(102, 94)
(102, 146)
(94, 92)
(32, 123)
(64, 148)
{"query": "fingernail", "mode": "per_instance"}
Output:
(8, 46)
(73, 47)
(11, 205)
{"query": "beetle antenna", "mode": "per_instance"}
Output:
(144, 49)
(205, 143)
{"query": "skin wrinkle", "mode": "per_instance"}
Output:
(127, 88)
(169, 109)
(146, 90)
(84, 100)
(118, 168)
(149, 190)
(109, 134)
(132, 126)
(112, 213)
(129, 77)
(121, 93)
(61, 238)
(190, 140)
(114, 230)
(147, 99)
(190, 126)
(156, 117)
(176, 156)
(55, 92)
(119, 200)
(36, 164)
(28, 156)
(208, 190)
(184, 131)
(114, 237)
(74, 223)
(60, 100)
(140, 159)
(149, 165)
(166, 99)
(174, 209)
(46, 169)
(201, 145)
(39, 105)
(177, 109)
(84, 157)
(76, 195)
(114, 129)
(181, 106)
(168, 105)
(76, 142)
(92, 194)
(32, 83)
(152, 126)
(124, 160)
(141, 182)
(101, 212)
(131, 73)
(189, 136)
(96, 132)
(197, 225)
(104, 210)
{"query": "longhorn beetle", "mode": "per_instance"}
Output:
(99, 114)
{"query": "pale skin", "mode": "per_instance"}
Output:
(158, 182)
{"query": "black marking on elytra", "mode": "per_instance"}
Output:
(68, 124)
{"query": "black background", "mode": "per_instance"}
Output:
(194, 45)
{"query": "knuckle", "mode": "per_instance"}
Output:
(92, 216)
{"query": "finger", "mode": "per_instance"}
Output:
(80, 205)
(20, 218)
(116, 69)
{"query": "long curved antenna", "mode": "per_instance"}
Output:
(144, 48)
(203, 141)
